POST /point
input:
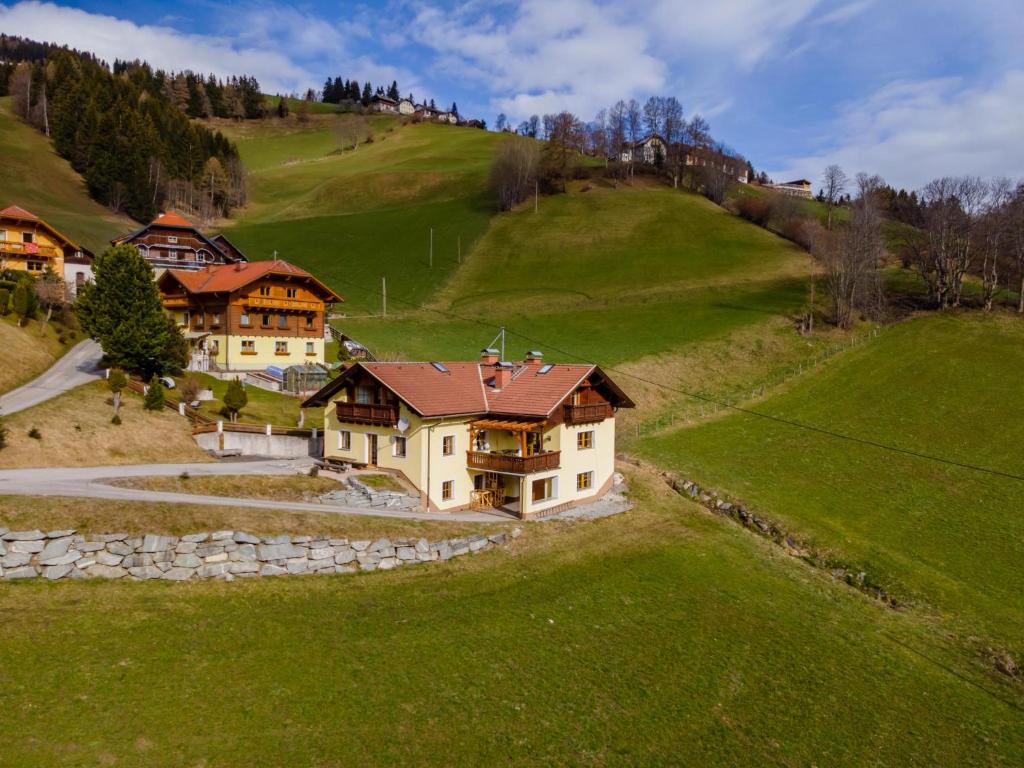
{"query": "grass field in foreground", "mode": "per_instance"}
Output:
(33, 176)
(660, 637)
(943, 385)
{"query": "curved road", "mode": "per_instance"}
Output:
(91, 482)
(78, 366)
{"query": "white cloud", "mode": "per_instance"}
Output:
(912, 131)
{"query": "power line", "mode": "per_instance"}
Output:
(714, 401)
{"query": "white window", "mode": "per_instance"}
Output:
(447, 490)
(584, 440)
(172, 240)
(364, 395)
(584, 481)
(344, 440)
(280, 347)
(544, 489)
(399, 447)
(448, 445)
(310, 348)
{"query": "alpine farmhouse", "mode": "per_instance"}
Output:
(29, 244)
(171, 241)
(531, 438)
(248, 316)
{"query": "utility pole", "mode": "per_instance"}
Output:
(384, 296)
(431, 246)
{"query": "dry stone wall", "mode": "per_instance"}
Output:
(226, 555)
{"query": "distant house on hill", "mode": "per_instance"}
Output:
(646, 151)
(448, 117)
(797, 188)
(426, 112)
(29, 244)
(530, 437)
(171, 241)
(248, 316)
(406, 107)
(383, 104)
(703, 157)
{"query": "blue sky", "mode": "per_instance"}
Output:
(909, 89)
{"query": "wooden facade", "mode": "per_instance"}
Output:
(171, 241)
(29, 244)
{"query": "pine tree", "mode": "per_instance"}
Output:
(121, 309)
(367, 92)
(393, 90)
(328, 93)
(154, 399)
(23, 307)
(235, 399)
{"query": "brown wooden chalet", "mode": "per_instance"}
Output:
(171, 241)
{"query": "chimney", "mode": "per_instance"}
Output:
(489, 356)
(502, 375)
(534, 359)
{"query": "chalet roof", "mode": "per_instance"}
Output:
(232, 250)
(173, 220)
(225, 278)
(468, 388)
(388, 99)
(20, 214)
(795, 183)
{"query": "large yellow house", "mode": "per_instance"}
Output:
(249, 316)
(531, 438)
(29, 244)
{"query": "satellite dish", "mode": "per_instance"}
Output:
(403, 424)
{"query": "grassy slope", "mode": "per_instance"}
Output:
(34, 177)
(610, 274)
(263, 407)
(947, 386)
(658, 638)
(76, 431)
(361, 215)
(30, 349)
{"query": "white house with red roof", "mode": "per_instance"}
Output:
(531, 437)
(249, 315)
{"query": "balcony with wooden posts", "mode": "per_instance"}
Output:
(34, 250)
(586, 413)
(175, 301)
(510, 463)
(271, 302)
(380, 415)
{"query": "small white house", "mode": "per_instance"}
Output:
(646, 151)
(406, 107)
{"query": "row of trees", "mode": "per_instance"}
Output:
(129, 134)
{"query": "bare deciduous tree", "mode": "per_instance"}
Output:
(851, 257)
(833, 185)
(952, 208)
(514, 170)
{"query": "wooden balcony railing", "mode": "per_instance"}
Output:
(27, 249)
(367, 413)
(272, 302)
(517, 465)
(587, 414)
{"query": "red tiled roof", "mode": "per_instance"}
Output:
(224, 278)
(468, 388)
(17, 212)
(171, 219)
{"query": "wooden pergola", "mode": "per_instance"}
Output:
(522, 427)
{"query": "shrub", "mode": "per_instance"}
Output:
(184, 476)
(314, 471)
(3, 434)
(154, 399)
(116, 421)
(188, 389)
(754, 209)
(35, 434)
(5, 301)
(235, 399)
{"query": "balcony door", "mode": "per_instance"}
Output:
(372, 448)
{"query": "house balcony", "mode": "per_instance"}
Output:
(269, 302)
(511, 464)
(175, 301)
(19, 248)
(366, 413)
(587, 414)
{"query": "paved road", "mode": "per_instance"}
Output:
(91, 482)
(79, 366)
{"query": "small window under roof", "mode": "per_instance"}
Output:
(545, 368)
(439, 366)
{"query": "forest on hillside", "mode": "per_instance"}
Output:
(126, 129)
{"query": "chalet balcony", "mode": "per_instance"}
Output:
(175, 301)
(27, 249)
(366, 413)
(270, 302)
(587, 414)
(508, 463)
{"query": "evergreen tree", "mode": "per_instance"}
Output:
(393, 90)
(121, 309)
(367, 92)
(455, 109)
(154, 399)
(282, 106)
(23, 305)
(328, 93)
(235, 399)
(176, 351)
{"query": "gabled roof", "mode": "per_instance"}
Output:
(464, 388)
(228, 248)
(20, 214)
(225, 278)
(172, 220)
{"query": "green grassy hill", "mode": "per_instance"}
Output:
(355, 216)
(951, 538)
(34, 177)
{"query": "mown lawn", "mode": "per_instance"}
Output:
(949, 538)
(33, 176)
(263, 407)
(661, 637)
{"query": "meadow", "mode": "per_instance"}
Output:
(942, 536)
(660, 637)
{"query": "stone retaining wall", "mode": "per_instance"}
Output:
(219, 555)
